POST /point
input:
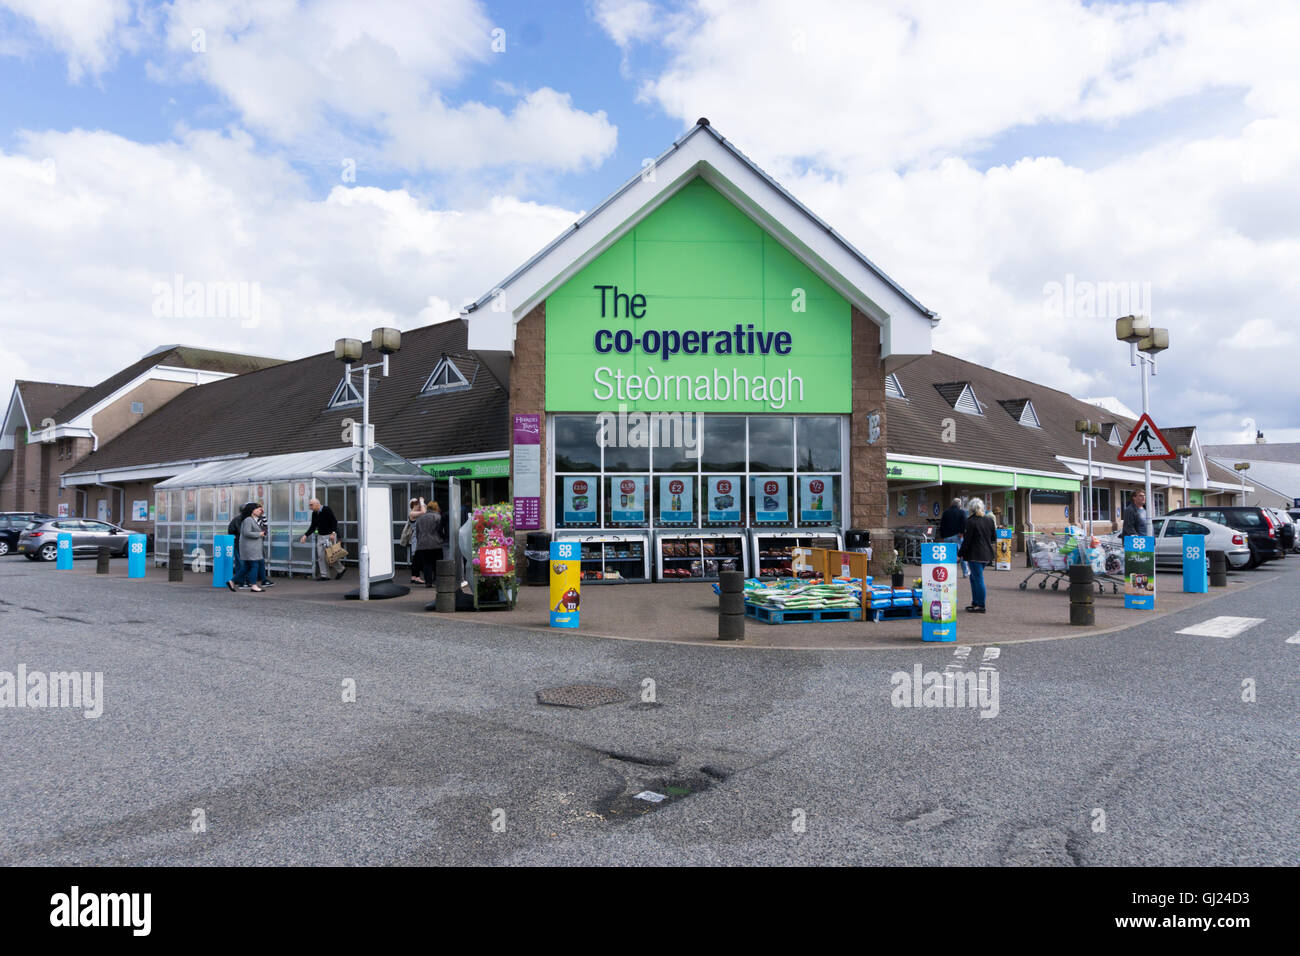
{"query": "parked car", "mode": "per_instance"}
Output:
(1294, 515)
(11, 525)
(1286, 528)
(40, 540)
(1169, 533)
(1259, 527)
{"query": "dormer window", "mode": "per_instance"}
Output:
(346, 394)
(1110, 431)
(960, 396)
(893, 387)
(1022, 410)
(446, 377)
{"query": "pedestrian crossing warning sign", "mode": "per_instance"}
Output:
(1146, 443)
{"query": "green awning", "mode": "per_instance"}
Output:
(978, 476)
(476, 468)
(911, 470)
(1044, 483)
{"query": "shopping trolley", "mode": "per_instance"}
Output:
(910, 542)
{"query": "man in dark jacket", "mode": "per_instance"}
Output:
(1135, 516)
(326, 529)
(952, 525)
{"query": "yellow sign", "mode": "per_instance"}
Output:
(566, 583)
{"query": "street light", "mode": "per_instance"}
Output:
(1242, 467)
(385, 341)
(1088, 431)
(1184, 453)
(1144, 344)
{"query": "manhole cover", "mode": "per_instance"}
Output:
(582, 696)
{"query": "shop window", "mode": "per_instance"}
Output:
(1159, 497)
(446, 377)
(676, 501)
(771, 443)
(1100, 503)
(137, 408)
(627, 501)
(576, 445)
(577, 501)
(819, 444)
(769, 499)
(723, 444)
(346, 394)
(625, 459)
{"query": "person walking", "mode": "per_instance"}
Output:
(952, 525)
(250, 550)
(265, 525)
(429, 540)
(415, 508)
(246, 509)
(977, 550)
(326, 529)
(1135, 516)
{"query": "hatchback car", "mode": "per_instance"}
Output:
(12, 524)
(1254, 522)
(1286, 528)
(1169, 533)
(40, 541)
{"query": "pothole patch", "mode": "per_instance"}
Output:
(580, 696)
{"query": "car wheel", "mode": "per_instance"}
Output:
(49, 552)
(4, 548)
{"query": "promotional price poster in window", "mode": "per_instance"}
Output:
(1140, 572)
(580, 500)
(724, 499)
(627, 500)
(771, 501)
(675, 501)
(815, 498)
(939, 592)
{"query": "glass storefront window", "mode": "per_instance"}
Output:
(771, 443)
(769, 499)
(578, 501)
(723, 447)
(723, 501)
(819, 444)
(576, 446)
(627, 501)
(281, 493)
(206, 498)
(619, 460)
(676, 503)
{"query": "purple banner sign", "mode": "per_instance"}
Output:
(526, 456)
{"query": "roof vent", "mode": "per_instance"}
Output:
(1022, 410)
(893, 387)
(960, 396)
(446, 377)
(702, 121)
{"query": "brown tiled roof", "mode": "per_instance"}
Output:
(915, 424)
(43, 399)
(1269, 451)
(283, 409)
(181, 356)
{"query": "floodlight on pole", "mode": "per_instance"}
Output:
(1242, 467)
(1184, 453)
(1088, 432)
(1144, 344)
(1132, 328)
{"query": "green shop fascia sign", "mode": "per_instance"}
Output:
(698, 309)
(478, 468)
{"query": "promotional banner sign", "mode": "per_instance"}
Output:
(580, 497)
(135, 556)
(63, 556)
(724, 499)
(627, 500)
(1196, 564)
(815, 502)
(939, 592)
(566, 583)
(528, 472)
(223, 559)
(1140, 572)
(1003, 543)
(771, 500)
(675, 504)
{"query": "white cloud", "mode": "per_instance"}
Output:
(627, 21)
(91, 223)
(87, 32)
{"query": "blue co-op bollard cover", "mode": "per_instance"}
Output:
(135, 555)
(1196, 564)
(223, 559)
(63, 556)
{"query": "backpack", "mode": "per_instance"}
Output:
(233, 527)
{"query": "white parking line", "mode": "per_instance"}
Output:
(1222, 626)
(1294, 638)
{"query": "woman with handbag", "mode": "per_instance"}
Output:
(429, 539)
(977, 550)
(250, 550)
(415, 508)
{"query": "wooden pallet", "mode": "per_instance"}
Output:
(772, 615)
(895, 613)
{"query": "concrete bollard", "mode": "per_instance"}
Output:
(175, 564)
(731, 606)
(1218, 569)
(446, 580)
(101, 560)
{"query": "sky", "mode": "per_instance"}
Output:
(1029, 169)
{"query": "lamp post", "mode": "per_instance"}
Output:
(1242, 467)
(386, 342)
(1184, 455)
(1144, 344)
(1088, 431)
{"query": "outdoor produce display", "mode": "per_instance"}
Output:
(806, 597)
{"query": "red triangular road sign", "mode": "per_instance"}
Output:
(1146, 443)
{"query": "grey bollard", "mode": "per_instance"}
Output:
(731, 606)
(1218, 569)
(445, 577)
(175, 564)
(101, 561)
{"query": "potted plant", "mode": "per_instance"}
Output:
(894, 568)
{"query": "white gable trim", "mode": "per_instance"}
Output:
(905, 323)
(1030, 417)
(159, 373)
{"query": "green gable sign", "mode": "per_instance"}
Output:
(698, 309)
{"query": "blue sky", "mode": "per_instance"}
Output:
(978, 153)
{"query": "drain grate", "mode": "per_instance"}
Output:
(581, 696)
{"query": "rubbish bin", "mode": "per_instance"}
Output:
(537, 550)
(857, 539)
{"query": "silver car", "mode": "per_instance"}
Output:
(40, 540)
(1218, 537)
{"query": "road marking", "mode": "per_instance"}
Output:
(1294, 638)
(1222, 626)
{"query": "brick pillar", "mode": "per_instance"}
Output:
(869, 499)
(528, 387)
(20, 468)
